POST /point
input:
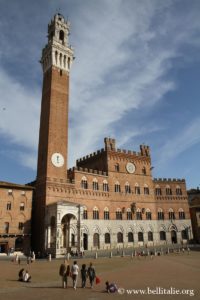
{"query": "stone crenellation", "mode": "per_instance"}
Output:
(169, 179)
(87, 170)
(94, 154)
(129, 152)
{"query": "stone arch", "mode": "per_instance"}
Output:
(141, 228)
(173, 231)
(183, 227)
(64, 214)
(61, 35)
(162, 228)
(95, 208)
(107, 230)
(120, 228)
(85, 229)
(173, 227)
(96, 229)
(150, 228)
(73, 228)
(68, 226)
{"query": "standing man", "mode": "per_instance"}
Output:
(74, 271)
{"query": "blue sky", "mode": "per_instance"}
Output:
(135, 78)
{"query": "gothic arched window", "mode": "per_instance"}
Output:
(106, 214)
(61, 35)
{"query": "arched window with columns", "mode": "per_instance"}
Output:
(181, 214)
(148, 214)
(178, 190)
(158, 190)
(129, 214)
(168, 190)
(95, 213)
(84, 183)
(171, 214)
(106, 213)
(138, 214)
(95, 184)
(118, 214)
(160, 214)
(137, 189)
(117, 187)
(105, 186)
(127, 188)
(146, 189)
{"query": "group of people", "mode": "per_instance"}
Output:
(66, 271)
(24, 275)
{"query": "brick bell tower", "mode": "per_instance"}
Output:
(57, 57)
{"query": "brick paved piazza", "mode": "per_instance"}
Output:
(176, 271)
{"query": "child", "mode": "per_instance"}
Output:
(111, 287)
(26, 277)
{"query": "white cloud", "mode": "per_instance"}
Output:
(183, 140)
(19, 108)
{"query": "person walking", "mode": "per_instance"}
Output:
(74, 272)
(83, 275)
(64, 272)
(65, 276)
(91, 274)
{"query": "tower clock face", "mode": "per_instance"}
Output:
(57, 160)
(130, 167)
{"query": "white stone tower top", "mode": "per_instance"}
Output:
(57, 52)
